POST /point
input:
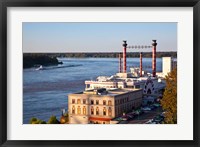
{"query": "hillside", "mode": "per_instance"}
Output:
(30, 60)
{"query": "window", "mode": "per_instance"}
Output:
(104, 110)
(78, 101)
(92, 111)
(97, 102)
(109, 111)
(97, 111)
(84, 110)
(79, 110)
(73, 101)
(109, 103)
(104, 102)
(84, 101)
(73, 109)
(137, 86)
(92, 102)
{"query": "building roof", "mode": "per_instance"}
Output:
(110, 92)
(121, 91)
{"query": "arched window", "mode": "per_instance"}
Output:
(149, 91)
(97, 102)
(84, 110)
(109, 111)
(104, 110)
(97, 111)
(109, 103)
(92, 102)
(73, 109)
(104, 102)
(79, 110)
(78, 101)
(92, 111)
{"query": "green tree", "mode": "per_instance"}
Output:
(36, 121)
(169, 100)
(53, 120)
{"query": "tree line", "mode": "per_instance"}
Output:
(52, 120)
(105, 54)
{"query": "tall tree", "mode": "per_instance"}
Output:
(169, 100)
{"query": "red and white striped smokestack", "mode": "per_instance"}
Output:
(120, 63)
(154, 58)
(140, 64)
(124, 56)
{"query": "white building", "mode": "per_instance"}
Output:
(168, 65)
(149, 85)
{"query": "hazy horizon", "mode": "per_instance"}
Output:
(84, 52)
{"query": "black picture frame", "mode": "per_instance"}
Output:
(97, 3)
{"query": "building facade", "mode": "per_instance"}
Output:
(168, 65)
(99, 106)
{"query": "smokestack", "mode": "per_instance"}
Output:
(124, 56)
(140, 64)
(154, 58)
(120, 63)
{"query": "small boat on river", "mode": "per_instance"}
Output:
(39, 68)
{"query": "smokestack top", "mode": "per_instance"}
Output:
(124, 44)
(154, 43)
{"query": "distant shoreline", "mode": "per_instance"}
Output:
(103, 54)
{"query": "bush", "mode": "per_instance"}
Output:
(53, 120)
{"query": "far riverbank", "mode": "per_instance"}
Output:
(105, 54)
(37, 59)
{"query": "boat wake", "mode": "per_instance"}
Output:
(55, 67)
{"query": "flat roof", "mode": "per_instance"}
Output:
(113, 92)
(122, 90)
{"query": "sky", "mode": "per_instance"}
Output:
(96, 37)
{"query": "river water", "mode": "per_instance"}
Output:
(45, 91)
